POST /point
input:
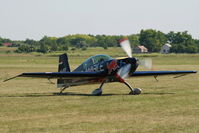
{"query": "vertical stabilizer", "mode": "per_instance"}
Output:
(63, 67)
(63, 63)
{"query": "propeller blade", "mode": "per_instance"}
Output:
(126, 46)
(124, 71)
(146, 62)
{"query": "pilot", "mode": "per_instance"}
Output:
(101, 60)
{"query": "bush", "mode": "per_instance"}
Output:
(84, 48)
(73, 49)
(25, 49)
(65, 48)
(8, 52)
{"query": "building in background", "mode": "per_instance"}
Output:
(140, 49)
(165, 48)
(7, 44)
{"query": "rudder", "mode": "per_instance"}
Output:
(63, 63)
(63, 67)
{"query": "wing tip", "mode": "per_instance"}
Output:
(191, 71)
(12, 78)
(194, 71)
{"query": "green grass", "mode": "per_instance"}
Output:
(7, 50)
(33, 106)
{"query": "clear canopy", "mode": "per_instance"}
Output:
(93, 60)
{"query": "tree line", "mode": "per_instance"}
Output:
(182, 42)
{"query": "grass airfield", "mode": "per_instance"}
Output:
(34, 106)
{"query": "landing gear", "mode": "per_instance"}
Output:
(134, 91)
(98, 91)
(62, 89)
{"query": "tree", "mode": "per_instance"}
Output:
(134, 40)
(80, 40)
(111, 41)
(178, 48)
(1, 40)
(30, 41)
(192, 49)
(25, 49)
(63, 41)
(152, 39)
(64, 47)
(197, 44)
(54, 47)
(43, 48)
(100, 41)
(107, 41)
(182, 42)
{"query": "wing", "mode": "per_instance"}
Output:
(159, 73)
(62, 75)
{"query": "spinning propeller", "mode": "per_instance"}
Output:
(146, 63)
(124, 71)
(126, 46)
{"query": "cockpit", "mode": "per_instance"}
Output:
(93, 60)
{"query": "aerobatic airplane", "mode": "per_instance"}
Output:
(100, 69)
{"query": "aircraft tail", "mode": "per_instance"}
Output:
(63, 63)
(63, 67)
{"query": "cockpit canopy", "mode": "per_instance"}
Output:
(92, 61)
(96, 59)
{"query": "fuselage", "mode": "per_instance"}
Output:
(107, 65)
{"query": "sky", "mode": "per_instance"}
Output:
(33, 19)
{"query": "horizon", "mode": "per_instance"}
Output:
(93, 34)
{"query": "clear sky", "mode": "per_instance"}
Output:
(21, 19)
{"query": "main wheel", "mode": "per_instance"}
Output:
(97, 92)
(136, 91)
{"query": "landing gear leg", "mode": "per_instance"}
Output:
(135, 91)
(62, 89)
(98, 91)
(131, 89)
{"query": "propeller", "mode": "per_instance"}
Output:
(146, 63)
(124, 71)
(126, 46)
